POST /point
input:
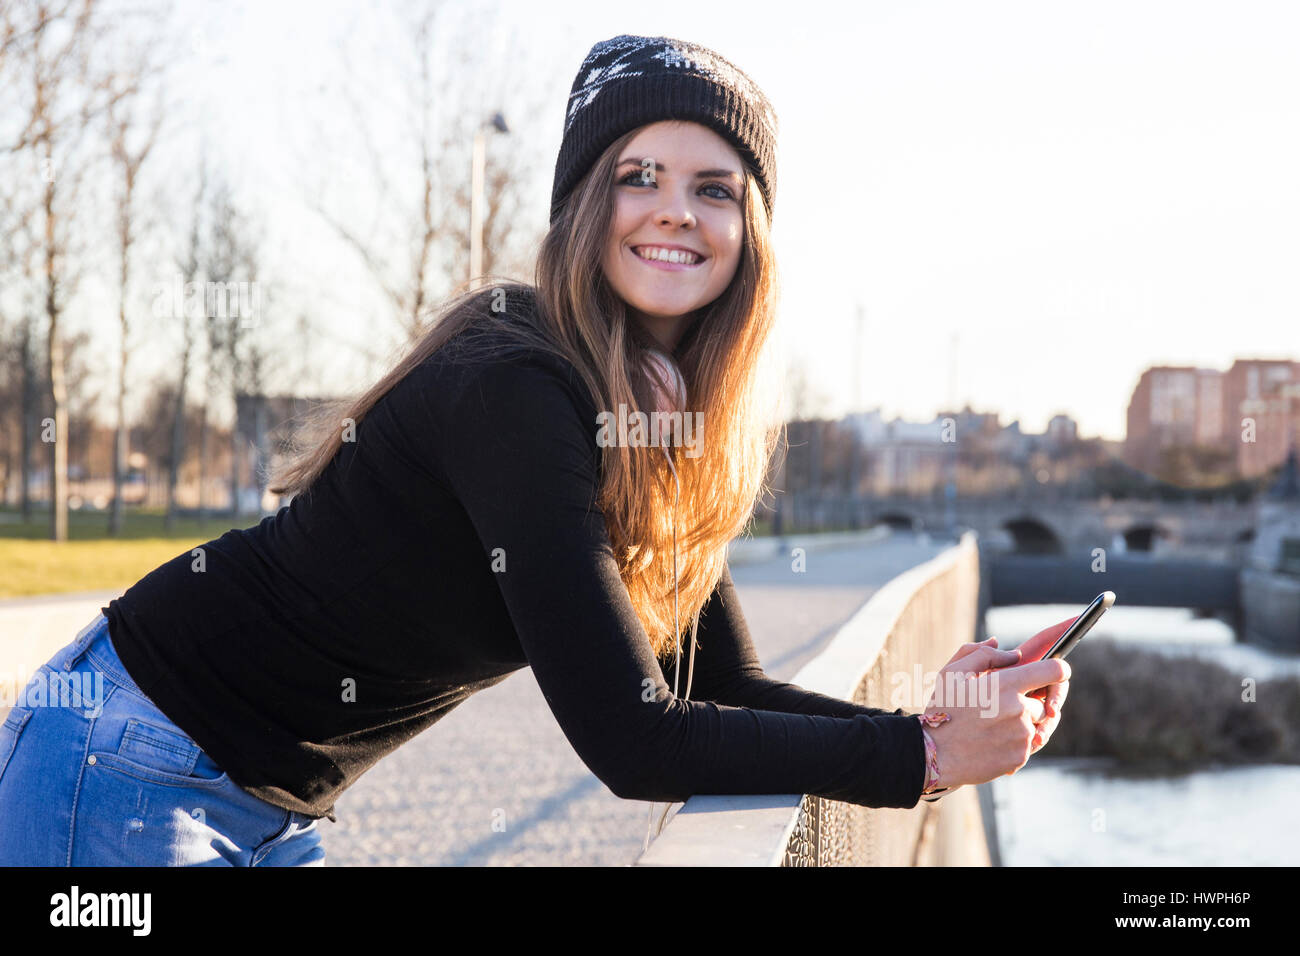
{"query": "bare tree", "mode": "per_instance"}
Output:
(18, 248)
(131, 139)
(250, 360)
(31, 379)
(218, 269)
(11, 404)
(190, 266)
(48, 49)
(24, 392)
(239, 357)
(423, 193)
(154, 431)
(80, 361)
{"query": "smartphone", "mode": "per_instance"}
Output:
(1082, 625)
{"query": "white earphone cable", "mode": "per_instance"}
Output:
(677, 631)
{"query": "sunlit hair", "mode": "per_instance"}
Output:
(576, 315)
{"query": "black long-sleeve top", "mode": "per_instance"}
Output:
(454, 541)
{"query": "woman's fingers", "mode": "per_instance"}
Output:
(1034, 708)
(971, 661)
(982, 658)
(1044, 733)
(971, 648)
(1035, 675)
(1055, 697)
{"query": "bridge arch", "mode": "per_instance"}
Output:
(899, 521)
(1032, 536)
(1143, 536)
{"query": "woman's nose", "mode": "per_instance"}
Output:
(676, 211)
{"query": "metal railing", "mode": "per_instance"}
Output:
(880, 658)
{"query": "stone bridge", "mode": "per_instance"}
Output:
(1222, 530)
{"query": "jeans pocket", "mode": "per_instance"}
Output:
(162, 755)
(10, 731)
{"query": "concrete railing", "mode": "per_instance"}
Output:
(880, 658)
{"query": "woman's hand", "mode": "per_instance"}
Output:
(1052, 696)
(998, 714)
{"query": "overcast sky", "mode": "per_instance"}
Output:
(1031, 201)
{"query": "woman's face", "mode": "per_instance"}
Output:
(678, 186)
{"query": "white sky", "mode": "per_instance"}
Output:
(1075, 191)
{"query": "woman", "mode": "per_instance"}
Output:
(467, 516)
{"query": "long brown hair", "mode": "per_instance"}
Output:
(577, 316)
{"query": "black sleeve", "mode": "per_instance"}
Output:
(514, 444)
(727, 669)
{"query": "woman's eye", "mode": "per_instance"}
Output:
(636, 178)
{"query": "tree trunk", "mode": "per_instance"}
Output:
(58, 388)
(25, 438)
(234, 467)
(203, 459)
(178, 439)
(120, 436)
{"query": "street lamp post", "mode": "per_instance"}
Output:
(476, 201)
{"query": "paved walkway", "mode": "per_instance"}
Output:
(495, 783)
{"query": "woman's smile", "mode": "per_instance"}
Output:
(669, 258)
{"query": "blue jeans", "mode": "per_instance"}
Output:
(93, 774)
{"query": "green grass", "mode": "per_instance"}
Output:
(91, 560)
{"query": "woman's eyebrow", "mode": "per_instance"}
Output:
(702, 174)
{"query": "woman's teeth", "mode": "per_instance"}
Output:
(667, 255)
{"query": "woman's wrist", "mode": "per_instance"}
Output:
(933, 775)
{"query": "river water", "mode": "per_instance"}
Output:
(1077, 812)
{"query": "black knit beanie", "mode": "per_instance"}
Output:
(630, 81)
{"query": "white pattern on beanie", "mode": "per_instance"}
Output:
(678, 54)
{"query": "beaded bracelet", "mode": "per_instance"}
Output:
(931, 752)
